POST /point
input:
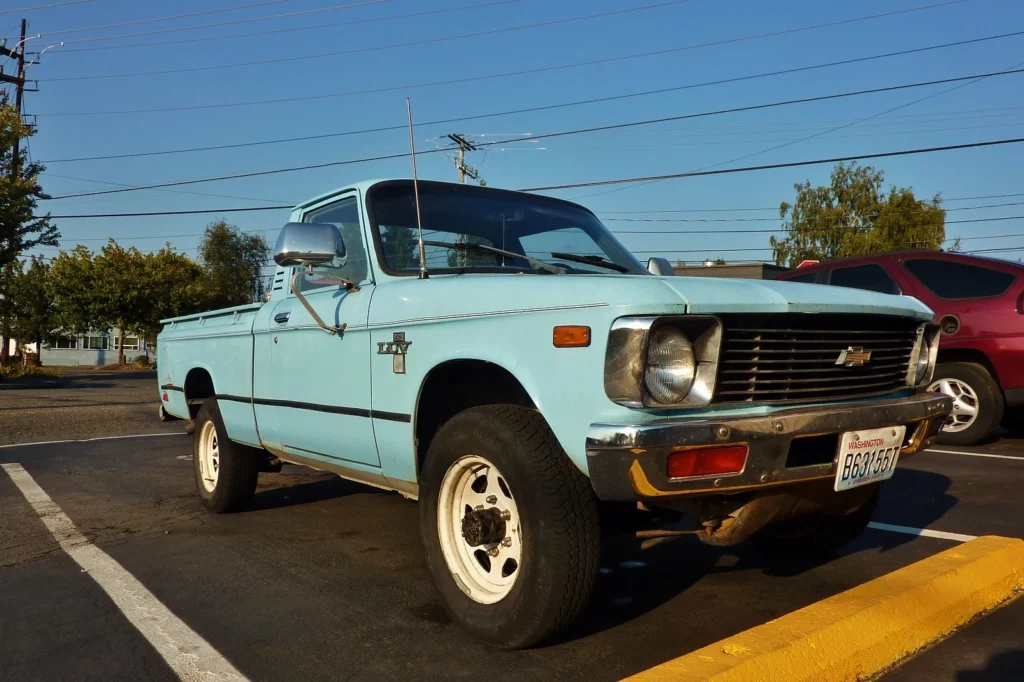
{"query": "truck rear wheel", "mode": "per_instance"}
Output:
(817, 533)
(225, 471)
(977, 402)
(509, 526)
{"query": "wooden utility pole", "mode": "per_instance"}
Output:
(18, 54)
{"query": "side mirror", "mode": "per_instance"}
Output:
(308, 244)
(660, 267)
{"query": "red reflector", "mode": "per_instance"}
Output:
(166, 398)
(707, 461)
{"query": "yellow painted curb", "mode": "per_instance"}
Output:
(863, 631)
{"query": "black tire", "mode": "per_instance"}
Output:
(818, 533)
(558, 516)
(238, 465)
(990, 402)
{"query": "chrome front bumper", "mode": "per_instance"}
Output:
(628, 462)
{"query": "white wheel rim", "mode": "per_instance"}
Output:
(486, 573)
(965, 404)
(209, 457)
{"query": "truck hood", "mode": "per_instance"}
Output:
(714, 295)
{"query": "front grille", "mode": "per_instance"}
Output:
(791, 358)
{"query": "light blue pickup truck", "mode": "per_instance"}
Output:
(500, 357)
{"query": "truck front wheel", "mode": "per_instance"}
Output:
(509, 525)
(225, 471)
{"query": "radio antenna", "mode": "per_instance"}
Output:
(416, 191)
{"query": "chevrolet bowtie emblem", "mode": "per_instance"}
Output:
(854, 356)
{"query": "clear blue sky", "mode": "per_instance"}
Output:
(986, 110)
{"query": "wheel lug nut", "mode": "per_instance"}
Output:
(491, 499)
(506, 514)
(507, 542)
(493, 552)
(479, 507)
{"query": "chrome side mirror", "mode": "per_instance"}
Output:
(308, 244)
(660, 267)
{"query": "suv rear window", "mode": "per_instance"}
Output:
(952, 280)
(871, 277)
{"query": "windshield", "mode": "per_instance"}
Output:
(521, 225)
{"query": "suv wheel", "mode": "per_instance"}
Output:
(509, 526)
(977, 402)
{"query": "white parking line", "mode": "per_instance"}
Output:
(189, 655)
(973, 454)
(923, 532)
(89, 440)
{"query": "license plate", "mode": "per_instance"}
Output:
(868, 456)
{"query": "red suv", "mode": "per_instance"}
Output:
(979, 305)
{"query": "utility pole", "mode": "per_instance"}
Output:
(18, 54)
(461, 166)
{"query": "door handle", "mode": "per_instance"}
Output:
(281, 318)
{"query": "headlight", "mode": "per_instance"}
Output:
(670, 365)
(926, 351)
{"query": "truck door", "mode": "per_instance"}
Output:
(312, 388)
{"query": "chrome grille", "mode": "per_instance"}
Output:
(790, 358)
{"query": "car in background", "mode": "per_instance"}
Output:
(979, 305)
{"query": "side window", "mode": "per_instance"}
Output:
(871, 277)
(951, 280)
(807, 278)
(345, 215)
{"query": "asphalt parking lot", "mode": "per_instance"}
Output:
(325, 579)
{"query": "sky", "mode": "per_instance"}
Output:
(98, 95)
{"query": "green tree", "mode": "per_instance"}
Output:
(33, 306)
(72, 286)
(401, 245)
(853, 215)
(20, 229)
(175, 287)
(233, 263)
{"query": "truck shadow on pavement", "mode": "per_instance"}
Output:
(634, 582)
(293, 487)
(1006, 666)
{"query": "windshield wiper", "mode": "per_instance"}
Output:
(469, 246)
(590, 260)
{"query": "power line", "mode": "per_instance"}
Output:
(536, 70)
(770, 220)
(789, 164)
(549, 107)
(183, 212)
(52, 4)
(834, 227)
(154, 20)
(445, 10)
(175, 191)
(776, 208)
(194, 28)
(373, 48)
(541, 136)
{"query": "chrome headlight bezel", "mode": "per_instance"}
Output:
(627, 359)
(921, 367)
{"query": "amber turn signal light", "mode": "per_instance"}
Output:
(707, 461)
(571, 336)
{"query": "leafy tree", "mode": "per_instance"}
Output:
(19, 228)
(401, 244)
(233, 262)
(175, 287)
(33, 306)
(72, 286)
(853, 215)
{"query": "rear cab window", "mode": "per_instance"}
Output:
(958, 281)
(870, 276)
(807, 278)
